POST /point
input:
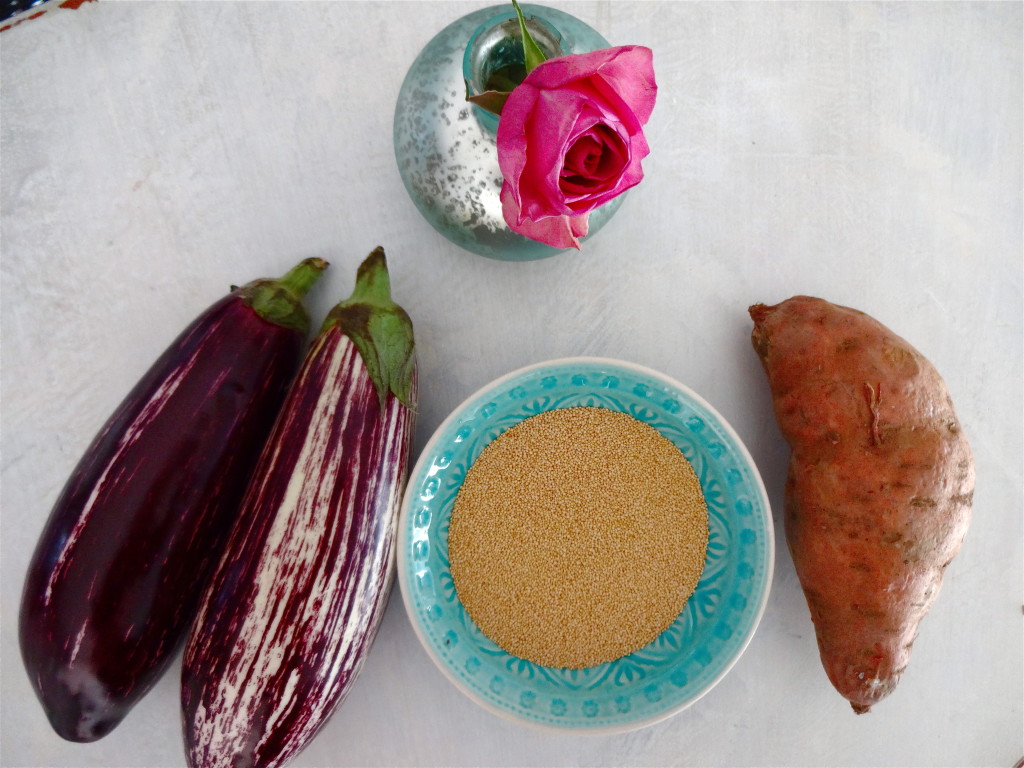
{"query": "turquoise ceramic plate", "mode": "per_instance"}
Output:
(677, 667)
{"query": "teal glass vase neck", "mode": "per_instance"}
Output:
(495, 53)
(446, 147)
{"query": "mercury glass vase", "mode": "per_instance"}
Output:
(446, 147)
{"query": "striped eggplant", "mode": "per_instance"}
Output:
(294, 606)
(120, 566)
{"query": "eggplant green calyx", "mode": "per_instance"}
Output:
(380, 329)
(279, 300)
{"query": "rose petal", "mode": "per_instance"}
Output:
(511, 136)
(570, 138)
(557, 231)
(584, 156)
(598, 155)
(627, 71)
(631, 173)
(583, 196)
(548, 128)
(547, 122)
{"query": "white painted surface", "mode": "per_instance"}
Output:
(154, 153)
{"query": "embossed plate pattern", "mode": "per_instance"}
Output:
(682, 663)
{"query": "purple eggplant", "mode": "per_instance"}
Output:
(294, 606)
(119, 569)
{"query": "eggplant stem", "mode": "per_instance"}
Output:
(373, 283)
(303, 276)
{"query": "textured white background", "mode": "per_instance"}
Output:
(153, 153)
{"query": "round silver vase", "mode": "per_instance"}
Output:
(446, 147)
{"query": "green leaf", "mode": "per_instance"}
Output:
(532, 53)
(492, 101)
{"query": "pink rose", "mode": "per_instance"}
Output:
(570, 139)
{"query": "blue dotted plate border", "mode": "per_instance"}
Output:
(682, 663)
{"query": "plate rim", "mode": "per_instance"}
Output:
(402, 540)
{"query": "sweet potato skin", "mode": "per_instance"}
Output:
(880, 483)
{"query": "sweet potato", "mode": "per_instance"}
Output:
(880, 483)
